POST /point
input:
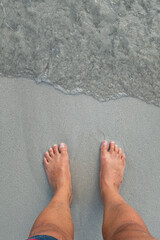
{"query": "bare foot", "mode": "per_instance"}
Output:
(56, 162)
(112, 167)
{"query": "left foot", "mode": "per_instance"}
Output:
(56, 162)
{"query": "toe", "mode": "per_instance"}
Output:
(47, 156)
(120, 152)
(104, 146)
(55, 149)
(51, 152)
(62, 148)
(116, 149)
(123, 158)
(112, 146)
(45, 161)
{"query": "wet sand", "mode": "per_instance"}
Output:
(106, 49)
(35, 116)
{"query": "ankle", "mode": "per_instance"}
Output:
(62, 197)
(106, 188)
(110, 194)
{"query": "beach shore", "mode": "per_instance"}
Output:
(33, 117)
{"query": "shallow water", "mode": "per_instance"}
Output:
(106, 49)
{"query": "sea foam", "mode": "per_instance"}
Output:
(107, 49)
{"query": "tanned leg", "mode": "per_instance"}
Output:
(56, 220)
(120, 221)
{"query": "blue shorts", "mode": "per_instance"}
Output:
(42, 237)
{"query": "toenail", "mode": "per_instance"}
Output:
(50, 149)
(105, 143)
(62, 145)
(55, 145)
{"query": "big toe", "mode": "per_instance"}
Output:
(63, 148)
(104, 146)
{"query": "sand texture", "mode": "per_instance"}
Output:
(35, 116)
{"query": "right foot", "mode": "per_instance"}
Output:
(56, 162)
(112, 167)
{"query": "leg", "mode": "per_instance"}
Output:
(120, 221)
(56, 220)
